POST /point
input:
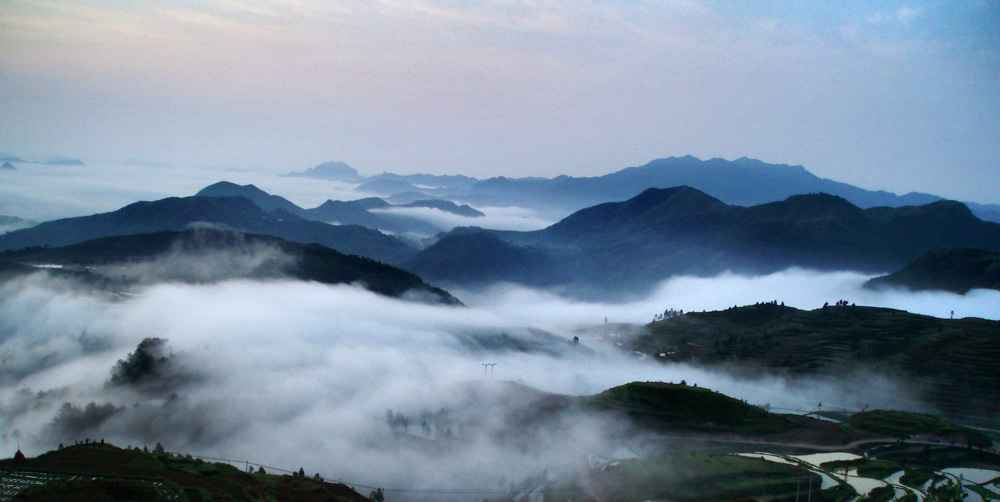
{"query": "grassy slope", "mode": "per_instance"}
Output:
(144, 476)
(956, 270)
(953, 360)
(660, 405)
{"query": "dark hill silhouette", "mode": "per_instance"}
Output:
(952, 362)
(447, 206)
(262, 199)
(652, 210)
(342, 212)
(347, 212)
(238, 213)
(372, 203)
(104, 472)
(957, 270)
(308, 262)
(681, 230)
(485, 258)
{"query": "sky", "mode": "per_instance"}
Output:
(901, 96)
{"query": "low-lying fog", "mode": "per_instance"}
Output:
(294, 374)
(496, 218)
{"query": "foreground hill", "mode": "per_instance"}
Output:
(175, 256)
(237, 213)
(681, 230)
(952, 361)
(103, 472)
(957, 270)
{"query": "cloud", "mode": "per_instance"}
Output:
(907, 14)
(804, 289)
(302, 374)
(496, 218)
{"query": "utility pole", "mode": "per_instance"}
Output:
(490, 366)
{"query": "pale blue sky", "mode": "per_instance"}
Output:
(891, 95)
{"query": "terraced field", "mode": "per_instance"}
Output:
(106, 472)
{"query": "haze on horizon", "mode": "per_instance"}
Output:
(887, 95)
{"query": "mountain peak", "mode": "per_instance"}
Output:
(333, 170)
(230, 189)
(262, 199)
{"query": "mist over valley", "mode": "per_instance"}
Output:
(229, 325)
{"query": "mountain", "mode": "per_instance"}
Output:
(949, 269)
(447, 206)
(338, 171)
(741, 182)
(386, 187)
(372, 203)
(7, 166)
(237, 213)
(343, 212)
(950, 362)
(104, 472)
(480, 258)
(346, 212)
(262, 199)
(664, 232)
(452, 181)
(107, 261)
(9, 223)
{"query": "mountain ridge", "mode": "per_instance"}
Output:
(681, 230)
(306, 262)
(238, 213)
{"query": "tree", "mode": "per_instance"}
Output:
(158, 449)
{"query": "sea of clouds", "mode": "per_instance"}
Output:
(289, 373)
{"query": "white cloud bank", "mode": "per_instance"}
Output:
(301, 374)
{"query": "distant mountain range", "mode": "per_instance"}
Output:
(345, 212)
(237, 213)
(106, 261)
(742, 182)
(328, 171)
(681, 230)
(957, 270)
(613, 248)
